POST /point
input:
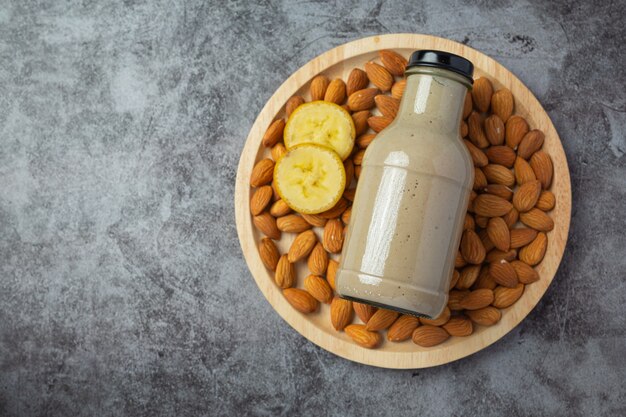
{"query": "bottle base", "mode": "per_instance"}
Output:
(385, 306)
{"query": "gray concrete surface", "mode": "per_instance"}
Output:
(123, 290)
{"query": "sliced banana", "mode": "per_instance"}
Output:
(322, 123)
(310, 178)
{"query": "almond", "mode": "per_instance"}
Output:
(428, 336)
(498, 233)
(364, 140)
(363, 337)
(348, 166)
(501, 155)
(378, 123)
(274, 133)
(468, 276)
(487, 316)
(278, 151)
(357, 80)
(480, 181)
(525, 273)
(333, 236)
(340, 313)
(292, 104)
(336, 91)
(469, 222)
(301, 300)
(546, 201)
(494, 130)
(393, 61)
(314, 220)
(292, 223)
(484, 237)
(280, 208)
(485, 281)
(502, 103)
(319, 85)
(318, 260)
(515, 129)
(268, 253)
(522, 237)
(360, 121)
(459, 326)
(531, 143)
(537, 219)
(503, 273)
(266, 223)
(364, 311)
(504, 297)
(348, 194)
(381, 319)
(440, 320)
(496, 255)
(481, 221)
(331, 273)
(455, 279)
(379, 76)
(275, 195)
(336, 211)
(319, 288)
(262, 173)
(454, 299)
(499, 174)
(500, 190)
(402, 329)
(387, 105)
(362, 99)
(397, 90)
(463, 129)
(260, 199)
(345, 217)
(301, 246)
(523, 172)
(476, 132)
(285, 276)
(511, 217)
(541, 165)
(534, 252)
(478, 156)
(490, 205)
(526, 196)
(468, 105)
(459, 262)
(481, 94)
(472, 248)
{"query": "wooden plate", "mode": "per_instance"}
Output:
(316, 327)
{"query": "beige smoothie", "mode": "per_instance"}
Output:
(410, 202)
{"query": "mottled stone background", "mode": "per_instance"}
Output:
(123, 290)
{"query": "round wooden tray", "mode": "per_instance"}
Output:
(316, 327)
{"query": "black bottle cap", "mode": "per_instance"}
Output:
(445, 60)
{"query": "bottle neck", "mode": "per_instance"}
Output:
(433, 98)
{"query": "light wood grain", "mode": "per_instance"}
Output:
(316, 327)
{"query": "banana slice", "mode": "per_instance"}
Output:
(310, 178)
(322, 123)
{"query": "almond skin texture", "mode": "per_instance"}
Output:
(476, 132)
(357, 80)
(348, 166)
(318, 260)
(502, 103)
(378, 123)
(454, 299)
(503, 273)
(515, 129)
(333, 236)
(340, 313)
(387, 105)
(472, 248)
(523, 172)
(279, 209)
(526, 196)
(525, 273)
(496, 255)
(285, 276)
(504, 297)
(439, 320)
(360, 121)
(541, 164)
(301, 246)
(266, 223)
(402, 329)
(393, 62)
(301, 300)
(464, 129)
(268, 253)
(455, 279)
(336, 91)
(428, 336)
(278, 151)
(484, 237)
(459, 326)
(364, 311)
(362, 99)
(511, 217)
(260, 199)
(494, 130)
(480, 181)
(274, 133)
(498, 232)
(477, 299)
(379, 76)
(468, 276)
(499, 174)
(292, 223)
(537, 220)
(381, 319)
(345, 217)
(481, 94)
(481, 221)
(469, 222)
(314, 220)
(501, 155)
(397, 90)
(318, 287)
(490, 205)
(348, 194)
(522, 237)
(534, 252)
(292, 104)
(468, 105)
(319, 85)
(363, 141)
(363, 337)
(262, 173)
(546, 201)
(336, 210)
(487, 316)
(485, 281)
(531, 143)
(500, 190)
(478, 156)
(331, 273)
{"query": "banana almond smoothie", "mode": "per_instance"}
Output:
(410, 203)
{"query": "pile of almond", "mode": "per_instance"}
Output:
(505, 226)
